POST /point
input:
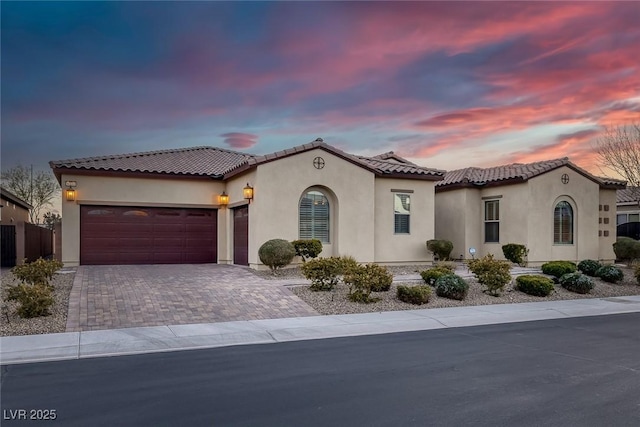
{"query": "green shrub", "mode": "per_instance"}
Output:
(636, 272)
(440, 248)
(347, 264)
(366, 278)
(431, 275)
(492, 273)
(38, 272)
(515, 253)
(307, 249)
(34, 300)
(418, 294)
(446, 265)
(559, 268)
(276, 253)
(589, 266)
(577, 282)
(627, 248)
(452, 286)
(538, 286)
(610, 273)
(323, 273)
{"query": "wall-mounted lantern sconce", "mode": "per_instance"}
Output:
(223, 199)
(248, 192)
(70, 192)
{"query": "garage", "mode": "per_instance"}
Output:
(113, 235)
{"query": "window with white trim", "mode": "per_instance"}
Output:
(314, 216)
(563, 224)
(401, 213)
(492, 221)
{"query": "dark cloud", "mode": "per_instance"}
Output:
(240, 140)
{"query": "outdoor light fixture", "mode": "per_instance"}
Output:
(223, 199)
(70, 192)
(248, 192)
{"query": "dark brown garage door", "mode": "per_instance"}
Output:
(241, 235)
(137, 235)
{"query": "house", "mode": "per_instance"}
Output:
(628, 212)
(207, 204)
(558, 210)
(14, 213)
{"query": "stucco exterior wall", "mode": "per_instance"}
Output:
(279, 185)
(450, 220)
(404, 248)
(99, 190)
(526, 217)
(607, 232)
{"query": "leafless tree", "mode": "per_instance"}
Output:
(36, 188)
(618, 150)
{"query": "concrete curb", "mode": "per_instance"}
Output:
(116, 342)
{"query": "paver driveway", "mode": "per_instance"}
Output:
(111, 297)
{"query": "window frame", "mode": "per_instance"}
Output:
(494, 221)
(559, 231)
(315, 227)
(398, 224)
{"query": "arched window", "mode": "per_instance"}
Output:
(563, 224)
(314, 216)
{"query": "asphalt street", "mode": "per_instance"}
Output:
(570, 372)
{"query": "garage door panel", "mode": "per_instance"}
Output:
(130, 235)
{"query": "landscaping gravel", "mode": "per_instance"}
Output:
(336, 301)
(12, 324)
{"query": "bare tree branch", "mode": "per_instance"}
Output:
(618, 150)
(37, 188)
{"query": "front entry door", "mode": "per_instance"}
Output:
(241, 235)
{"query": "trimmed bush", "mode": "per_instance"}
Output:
(431, 275)
(559, 268)
(323, 273)
(347, 264)
(577, 282)
(589, 266)
(276, 253)
(492, 273)
(538, 286)
(610, 273)
(446, 265)
(627, 248)
(417, 295)
(452, 286)
(440, 248)
(307, 249)
(38, 272)
(34, 300)
(367, 278)
(515, 253)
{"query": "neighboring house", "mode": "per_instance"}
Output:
(558, 210)
(628, 212)
(188, 205)
(14, 213)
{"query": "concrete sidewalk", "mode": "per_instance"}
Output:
(78, 345)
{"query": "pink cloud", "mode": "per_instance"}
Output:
(240, 140)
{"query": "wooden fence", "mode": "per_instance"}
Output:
(38, 242)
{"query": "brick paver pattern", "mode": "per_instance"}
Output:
(112, 297)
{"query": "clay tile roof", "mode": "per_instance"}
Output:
(203, 161)
(516, 172)
(629, 195)
(393, 167)
(374, 164)
(390, 155)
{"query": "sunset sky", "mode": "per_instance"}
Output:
(448, 85)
